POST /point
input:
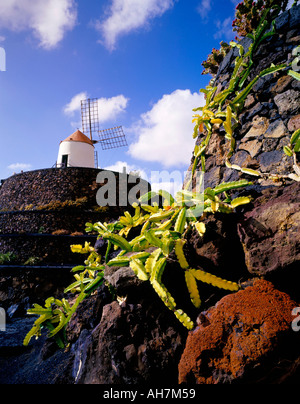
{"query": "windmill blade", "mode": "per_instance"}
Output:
(112, 138)
(108, 138)
(90, 117)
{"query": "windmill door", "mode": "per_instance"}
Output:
(64, 160)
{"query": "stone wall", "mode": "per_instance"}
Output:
(36, 205)
(43, 249)
(47, 222)
(42, 187)
(247, 337)
(42, 213)
(20, 288)
(271, 113)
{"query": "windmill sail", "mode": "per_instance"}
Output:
(108, 138)
(112, 138)
(90, 117)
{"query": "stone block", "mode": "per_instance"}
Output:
(288, 102)
(252, 147)
(259, 127)
(294, 123)
(276, 130)
(270, 232)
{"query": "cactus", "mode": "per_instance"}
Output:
(55, 311)
(139, 269)
(180, 254)
(152, 260)
(180, 221)
(214, 280)
(223, 108)
(291, 150)
(163, 231)
(56, 314)
(192, 288)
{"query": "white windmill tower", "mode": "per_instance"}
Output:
(78, 150)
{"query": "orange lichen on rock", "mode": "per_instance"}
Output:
(236, 334)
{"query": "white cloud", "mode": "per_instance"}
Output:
(165, 132)
(48, 19)
(19, 167)
(127, 15)
(204, 8)
(108, 108)
(75, 104)
(224, 29)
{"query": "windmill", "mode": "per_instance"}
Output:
(108, 138)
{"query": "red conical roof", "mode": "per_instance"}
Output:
(78, 137)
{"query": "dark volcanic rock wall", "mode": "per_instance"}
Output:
(271, 113)
(41, 187)
(56, 202)
(249, 337)
(42, 213)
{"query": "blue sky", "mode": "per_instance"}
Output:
(141, 58)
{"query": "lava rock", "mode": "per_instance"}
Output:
(270, 232)
(133, 343)
(245, 338)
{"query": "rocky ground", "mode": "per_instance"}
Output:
(27, 365)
